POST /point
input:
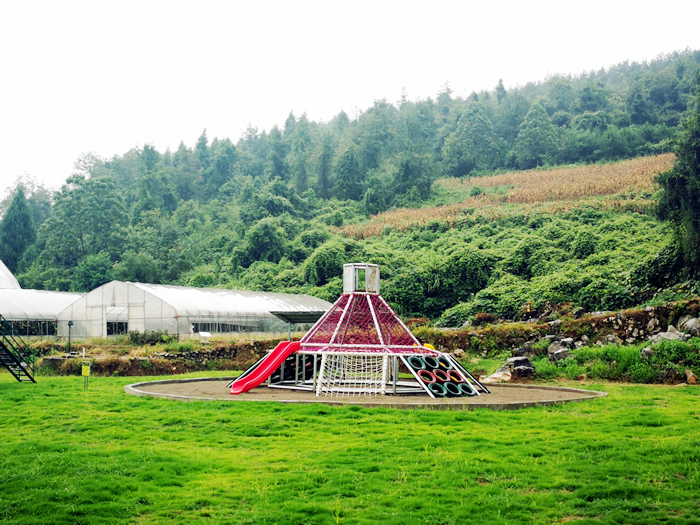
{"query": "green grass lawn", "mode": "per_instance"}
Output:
(96, 456)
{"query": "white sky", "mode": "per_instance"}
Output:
(107, 76)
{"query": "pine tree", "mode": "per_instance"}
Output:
(537, 140)
(325, 164)
(679, 201)
(17, 231)
(472, 146)
(349, 177)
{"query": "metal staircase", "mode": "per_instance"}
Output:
(15, 355)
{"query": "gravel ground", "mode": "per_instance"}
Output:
(502, 397)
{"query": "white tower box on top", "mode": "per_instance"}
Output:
(361, 277)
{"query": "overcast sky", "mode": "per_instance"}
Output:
(108, 76)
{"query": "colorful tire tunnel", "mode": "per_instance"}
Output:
(440, 376)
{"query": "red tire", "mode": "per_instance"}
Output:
(426, 376)
(456, 376)
(441, 375)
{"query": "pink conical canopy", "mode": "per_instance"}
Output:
(360, 320)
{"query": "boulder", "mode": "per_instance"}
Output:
(523, 371)
(555, 324)
(692, 326)
(646, 353)
(458, 352)
(514, 362)
(521, 352)
(554, 348)
(684, 319)
(502, 375)
(653, 325)
(611, 339)
(670, 336)
(567, 342)
(672, 330)
(560, 355)
(690, 377)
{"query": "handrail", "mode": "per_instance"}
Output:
(15, 344)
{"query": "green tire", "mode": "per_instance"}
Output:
(467, 389)
(452, 389)
(416, 363)
(437, 389)
(430, 361)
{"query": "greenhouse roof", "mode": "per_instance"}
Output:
(34, 305)
(214, 302)
(7, 280)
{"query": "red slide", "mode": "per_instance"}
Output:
(271, 362)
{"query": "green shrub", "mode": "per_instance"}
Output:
(643, 373)
(621, 360)
(586, 354)
(572, 370)
(606, 295)
(584, 244)
(180, 346)
(545, 369)
(599, 370)
(327, 261)
(541, 346)
(684, 355)
(137, 338)
(455, 316)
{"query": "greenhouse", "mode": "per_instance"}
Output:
(34, 312)
(121, 307)
(31, 313)
(7, 280)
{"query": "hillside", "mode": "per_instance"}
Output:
(626, 185)
(503, 200)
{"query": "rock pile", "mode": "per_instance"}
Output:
(559, 349)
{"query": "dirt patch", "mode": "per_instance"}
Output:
(502, 397)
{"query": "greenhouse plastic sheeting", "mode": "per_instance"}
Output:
(7, 280)
(34, 305)
(180, 310)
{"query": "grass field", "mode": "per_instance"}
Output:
(100, 456)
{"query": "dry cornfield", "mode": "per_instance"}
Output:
(535, 191)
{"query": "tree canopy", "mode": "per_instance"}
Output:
(680, 199)
(263, 211)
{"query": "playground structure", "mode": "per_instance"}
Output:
(360, 347)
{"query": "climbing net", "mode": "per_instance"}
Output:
(353, 374)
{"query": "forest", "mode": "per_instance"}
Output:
(442, 193)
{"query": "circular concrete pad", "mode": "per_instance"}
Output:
(502, 396)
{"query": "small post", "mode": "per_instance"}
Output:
(70, 325)
(86, 373)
